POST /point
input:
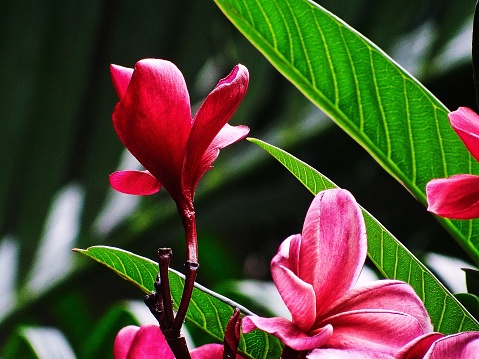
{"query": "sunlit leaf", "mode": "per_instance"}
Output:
(389, 255)
(208, 310)
(396, 119)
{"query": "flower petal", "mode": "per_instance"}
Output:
(287, 332)
(418, 347)
(227, 136)
(208, 351)
(140, 183)
(327, 353)
(148, 342)
(387, 295)
(123, 341)
(456, 197)
(291, 288)
(466, 124)
(153, 120)
(284, 269)
(217, 109)
(333, 246)
(373, 330)
(458, 346)
(120, 77)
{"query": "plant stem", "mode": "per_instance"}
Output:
(161, 307)
(164, 255)
(188, 217)
(160, 303)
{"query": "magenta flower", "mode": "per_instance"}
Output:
(147, 342)
(437, 346)
(153, 120)
(457, 197)
(315, 273)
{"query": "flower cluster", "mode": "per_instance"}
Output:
(315, 272)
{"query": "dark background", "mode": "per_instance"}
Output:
(56, 100)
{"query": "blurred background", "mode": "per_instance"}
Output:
(58, 147)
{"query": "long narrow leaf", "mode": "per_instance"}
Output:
(398, 121)
(208, 310)
(389, 255)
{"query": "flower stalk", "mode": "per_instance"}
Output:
(160, 305)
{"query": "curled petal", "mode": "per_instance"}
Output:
(140, 183)
(153, 120)
(386, 295)
(373, 330)
(466, 124)
(288, 254)
(418, 347)
(290, 287)
(288, 333)
(123, 341)
(121, 77)
(227, 136)
(333, 246)
(456, 197)
(217, 109)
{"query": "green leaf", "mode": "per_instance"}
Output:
(389, 255)
(208, 310)
(396, 119)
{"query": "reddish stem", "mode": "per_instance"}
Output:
(160, 303)
(164, 255)
(188, 217)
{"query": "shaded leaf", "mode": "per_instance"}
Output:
(38, 342)
(472, 280)
(470, 302)
(99, 340)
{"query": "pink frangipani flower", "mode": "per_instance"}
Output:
(153, 120)
(437, 346)
(457, 197)
(315, 273)
(147, 342)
